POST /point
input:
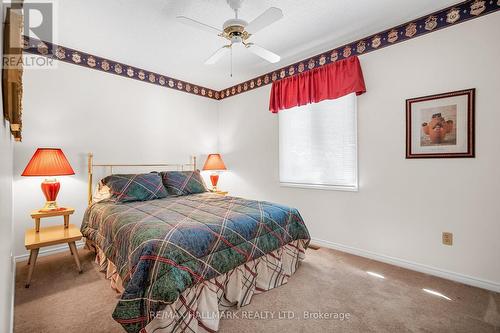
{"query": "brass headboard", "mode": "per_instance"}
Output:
(180, 167)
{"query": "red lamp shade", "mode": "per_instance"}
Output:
(214, 163)
(49, 162)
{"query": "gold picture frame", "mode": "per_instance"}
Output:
(12, 71)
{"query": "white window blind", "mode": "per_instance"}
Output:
(318, 145)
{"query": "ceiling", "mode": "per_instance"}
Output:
(146, 34)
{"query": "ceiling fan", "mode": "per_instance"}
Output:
(238, 31)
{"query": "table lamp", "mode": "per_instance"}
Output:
(49, 162)
(215, 164)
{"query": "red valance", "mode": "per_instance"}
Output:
(327, 82)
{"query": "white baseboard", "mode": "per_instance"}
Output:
(458, 277)
(48, 251)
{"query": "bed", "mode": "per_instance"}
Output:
(180, 260)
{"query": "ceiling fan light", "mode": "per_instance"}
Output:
(236, 40)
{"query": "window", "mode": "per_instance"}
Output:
(318, 145)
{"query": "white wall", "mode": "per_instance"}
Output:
(119, 120)
(403, 205)
(6, 271)
(6, 267)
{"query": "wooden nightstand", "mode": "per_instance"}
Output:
(37, 237)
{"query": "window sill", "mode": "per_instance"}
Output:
(322, 187)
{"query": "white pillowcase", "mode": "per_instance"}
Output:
(101, 192)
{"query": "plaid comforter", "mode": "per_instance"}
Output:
(162, 247)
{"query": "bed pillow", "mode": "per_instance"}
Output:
(183, 182)
(101, 192)
(135, 187)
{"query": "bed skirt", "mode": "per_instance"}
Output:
(199, 308)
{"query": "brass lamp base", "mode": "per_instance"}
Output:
(50, 206)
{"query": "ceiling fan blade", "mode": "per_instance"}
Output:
(268, 17)
(198, 25)
(263, 53)
(217, 55)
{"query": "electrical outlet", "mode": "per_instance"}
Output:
(447, 238)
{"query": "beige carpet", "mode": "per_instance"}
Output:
(336, 283)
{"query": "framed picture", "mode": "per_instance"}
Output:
(440, 126)
(12, 71)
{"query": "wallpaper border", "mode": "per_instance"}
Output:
(91, 61)
(436, 21)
